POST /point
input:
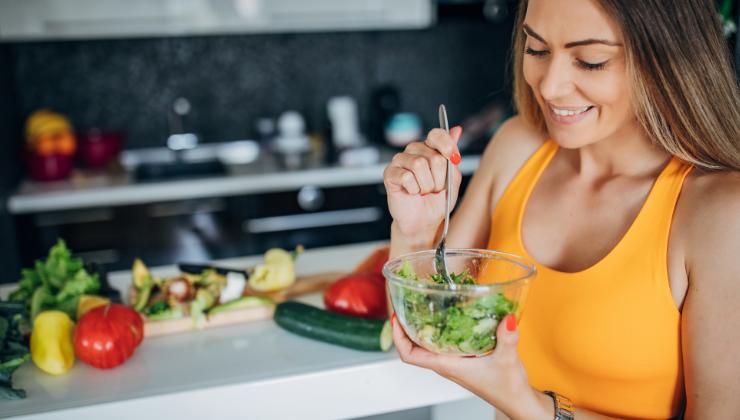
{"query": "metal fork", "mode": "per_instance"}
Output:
(439, 256)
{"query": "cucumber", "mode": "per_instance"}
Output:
(343, 330)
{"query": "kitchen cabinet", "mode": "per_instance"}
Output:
(23, 20)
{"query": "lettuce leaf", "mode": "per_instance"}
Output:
(453, 323)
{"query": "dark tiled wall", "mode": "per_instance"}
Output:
(9, 161)
(231, 80)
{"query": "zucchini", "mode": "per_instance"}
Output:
(343, 330)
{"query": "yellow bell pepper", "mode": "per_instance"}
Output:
(277, 273)
(52, 349)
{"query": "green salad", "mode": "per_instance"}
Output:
(452, 324)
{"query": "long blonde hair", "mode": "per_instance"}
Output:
(685, 94)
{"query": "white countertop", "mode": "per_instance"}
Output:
(254, 370)
(102, 191)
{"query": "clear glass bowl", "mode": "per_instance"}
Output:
(463, 320)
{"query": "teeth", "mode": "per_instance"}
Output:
(566, 112)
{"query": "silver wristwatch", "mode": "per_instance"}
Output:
(563, 406)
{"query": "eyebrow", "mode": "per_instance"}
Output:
(528, 30)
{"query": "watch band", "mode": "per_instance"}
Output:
(563, 407)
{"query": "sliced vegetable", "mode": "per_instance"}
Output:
(344, 330)
(278, 271)
(204, 300)
(235, 285)
(179, 289)
(241, 303)
(143, 284)
(165, 312)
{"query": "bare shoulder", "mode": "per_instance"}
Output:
(711, 226)
(511, 146)
(515, 138)
(712, 198)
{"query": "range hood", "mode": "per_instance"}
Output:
(28, 20)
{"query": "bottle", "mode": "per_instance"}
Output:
(292, 143)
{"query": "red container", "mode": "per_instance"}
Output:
(97, 148)
(52, 167)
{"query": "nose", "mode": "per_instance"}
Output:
(557, 81)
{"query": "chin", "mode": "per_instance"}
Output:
(571, 138)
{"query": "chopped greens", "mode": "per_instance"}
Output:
(452, 324)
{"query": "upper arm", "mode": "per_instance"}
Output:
(710, 320)
(509, 148)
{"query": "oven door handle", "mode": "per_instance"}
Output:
(313, 220)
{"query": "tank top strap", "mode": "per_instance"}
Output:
(653, 222)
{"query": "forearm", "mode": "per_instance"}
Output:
(536, 405)
(404, 243)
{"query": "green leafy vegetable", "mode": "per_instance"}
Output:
(13, 350)
(55, 283)
(450, 323)
(157, 308)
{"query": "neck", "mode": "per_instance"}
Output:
(628, 152)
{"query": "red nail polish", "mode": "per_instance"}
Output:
(455, 158)
(393, 318)
(511, 323)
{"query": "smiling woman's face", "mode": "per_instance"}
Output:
(574, 62)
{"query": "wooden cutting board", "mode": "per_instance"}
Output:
(303, 285)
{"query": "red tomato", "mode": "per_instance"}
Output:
(358, 294)
(108, 335)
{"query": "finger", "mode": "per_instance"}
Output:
(443, 142)
(400, 179)
(507, 337)
(437, 163)
(418, 165)
(408, 351)
(456, 133)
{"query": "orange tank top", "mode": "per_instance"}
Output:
(606, 337)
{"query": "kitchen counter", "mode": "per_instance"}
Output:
(103, 191)
(252, 370)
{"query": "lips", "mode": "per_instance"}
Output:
(569, 115)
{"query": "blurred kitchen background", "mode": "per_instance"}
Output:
(191, 130)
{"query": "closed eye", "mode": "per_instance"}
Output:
(536, 53)
(591, 66)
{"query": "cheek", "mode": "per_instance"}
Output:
(603, 92)
(610, 93)
(532, 73)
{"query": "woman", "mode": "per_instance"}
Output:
(619, 180)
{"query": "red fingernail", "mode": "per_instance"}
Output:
(455, 158)
(511, 323)
(393, 318)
